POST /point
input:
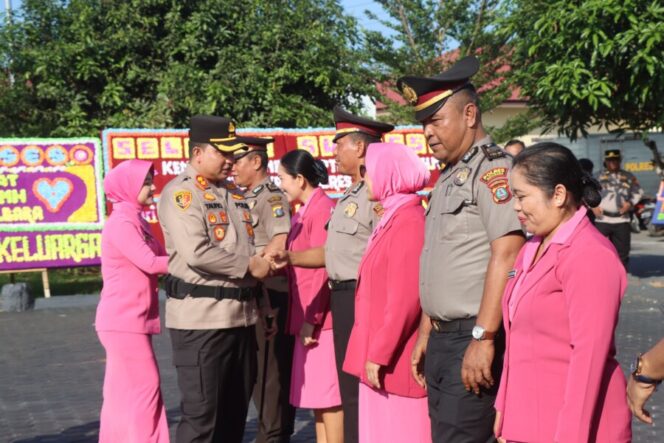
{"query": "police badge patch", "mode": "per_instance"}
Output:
(182, 199)
(462, 176)
(350, 209)
(496, 181)
(278, 211)
(219, 233)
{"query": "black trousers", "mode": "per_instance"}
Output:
(216, 371)
(620, 235)
(342, 306)
(458, 416)
(276, 416)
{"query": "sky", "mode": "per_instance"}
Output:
(15, 4)
(356, 8)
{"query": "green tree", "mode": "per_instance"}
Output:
(82, 65)
(429, 36)
(590, 63)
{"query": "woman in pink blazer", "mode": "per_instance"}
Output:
(561, 381)
(392, 406)
(314, 382)
(128, 311)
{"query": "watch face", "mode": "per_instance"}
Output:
(478, 332)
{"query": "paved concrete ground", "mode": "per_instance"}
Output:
(51, 365)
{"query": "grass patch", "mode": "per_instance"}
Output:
(69, 281)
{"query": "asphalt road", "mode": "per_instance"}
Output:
(52, 366)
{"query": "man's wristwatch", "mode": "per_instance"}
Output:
(636, 367)
(479, 334)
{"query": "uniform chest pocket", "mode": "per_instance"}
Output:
(453, 220)
(346, 226)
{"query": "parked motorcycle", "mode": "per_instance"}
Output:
(641, 214)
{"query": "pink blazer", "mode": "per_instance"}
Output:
(131, 258)
(309, 293)
(561, 381)
(387, 303)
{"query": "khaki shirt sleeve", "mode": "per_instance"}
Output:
(189, 235)
(495, 199)
(635, 190)
(270, 215)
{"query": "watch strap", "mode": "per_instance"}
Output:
(488, 335)
(645, 379)
(638, 376)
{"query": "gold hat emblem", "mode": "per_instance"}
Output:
(409, 94)
(231, 128)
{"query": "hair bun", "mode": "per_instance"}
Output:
(591, 190)
(321, 171)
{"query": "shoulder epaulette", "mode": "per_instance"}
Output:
(272, 187)
(470, 154)
(493, 151)
(357, 187)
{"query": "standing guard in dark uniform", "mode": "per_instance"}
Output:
(620, 192)
(348, 232)
(472, 238)
(270, 215)
(211, 308)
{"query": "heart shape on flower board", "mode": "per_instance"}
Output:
(53, 193)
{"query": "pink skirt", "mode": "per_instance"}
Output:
(388, 418)
(133, 410)
(314, 380)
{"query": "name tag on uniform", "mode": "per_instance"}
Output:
(511, 274)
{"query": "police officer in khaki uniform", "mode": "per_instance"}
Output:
(270, 215)
(348, 232)
(620, 192)
(212, 288)
(472, 238)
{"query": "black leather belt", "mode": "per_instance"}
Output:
(613, 214)
(179, 289)
(340, 285)
(463, 324)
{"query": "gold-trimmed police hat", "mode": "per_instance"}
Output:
(347, 123)
(251, 144)
(428, 94)
(217, 131)
(611, 154)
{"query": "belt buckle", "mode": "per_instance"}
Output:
(435, 324)
(330, 284)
